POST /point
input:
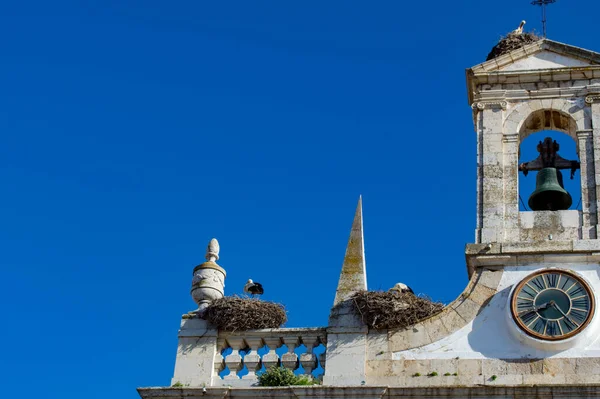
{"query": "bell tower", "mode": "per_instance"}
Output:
(544, 85)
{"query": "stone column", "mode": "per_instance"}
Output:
(491, 171)
(234, 360)
(252, 358)
(289, 360)
(196, 351)
(479, 130)
(271, 358)
(308, 360)
(586, 151)
(594, 102)
(511, 187)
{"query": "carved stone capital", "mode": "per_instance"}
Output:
(592, 98)
(481, 105)
(511, 138)
(585, 134)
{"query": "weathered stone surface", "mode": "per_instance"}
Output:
(435, 329)
(196, 351)
(409, 368)
(481, 294)
(353, 277)
(491, 367)
(524, 366)
(556, 366)
(466, 308)
(490, 278)
(502, 379)
(540, 379)
(346, 358)
(452, 320)
(539, 246)
(388, 388)
(469, 367)
(378, 346)
(413, 337)
(587, 365)
(379, 368)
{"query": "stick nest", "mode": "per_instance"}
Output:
(232, 313)
(512, 42)
(382, 310)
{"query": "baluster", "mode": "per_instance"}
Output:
(308, 360)
(322, 357)
(252, 358)
(290, 360)
(234, 360)
(271, 359)
(219, 364)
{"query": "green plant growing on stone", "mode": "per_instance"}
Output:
(416, 375)
(455, 374)
(446, 374)
(281, 377)
(493, 378)
(433, 374)
(178, 384)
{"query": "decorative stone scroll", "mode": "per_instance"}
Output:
(592, 98)
(481, 105)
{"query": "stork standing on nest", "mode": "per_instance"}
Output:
(519, 30)
(253, 288)
(401, 288)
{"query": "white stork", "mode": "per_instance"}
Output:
(519, 30)
(401, 288)
(253, 288)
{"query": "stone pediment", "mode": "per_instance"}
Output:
(541, 55)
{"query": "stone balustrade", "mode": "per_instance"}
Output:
(245, 353)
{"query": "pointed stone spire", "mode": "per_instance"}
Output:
(354, 274)
(353, 277)
(346, 354)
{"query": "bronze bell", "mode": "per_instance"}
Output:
(549, 194)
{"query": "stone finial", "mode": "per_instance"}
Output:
(208, 281)
(212, 252)
(353, 277)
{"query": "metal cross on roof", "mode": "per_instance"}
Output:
(543, 4)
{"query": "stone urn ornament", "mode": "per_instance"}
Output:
(208, 281)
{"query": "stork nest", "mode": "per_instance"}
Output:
(233, 313)
(382, 310)
(512, 42)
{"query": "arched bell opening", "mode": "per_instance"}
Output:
(549, 185)
(536, 183)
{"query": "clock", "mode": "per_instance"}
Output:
(552, 304)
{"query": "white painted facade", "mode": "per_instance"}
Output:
(493, 334)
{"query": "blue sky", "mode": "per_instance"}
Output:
(132, 132)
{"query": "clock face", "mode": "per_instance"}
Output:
(552, 305)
